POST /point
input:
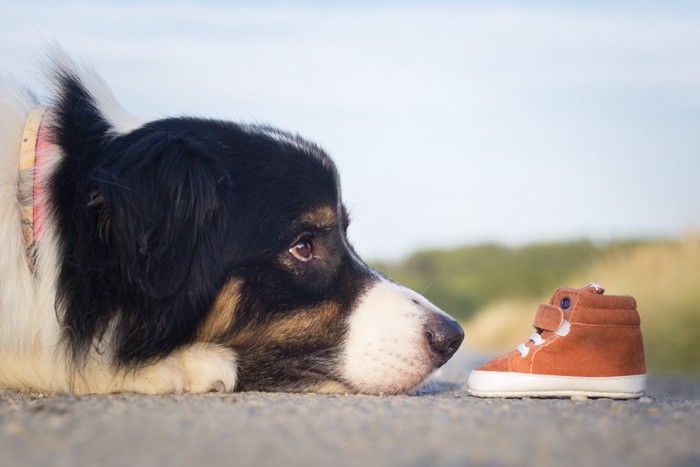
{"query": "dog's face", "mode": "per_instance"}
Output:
(189, 230)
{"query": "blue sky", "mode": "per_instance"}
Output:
(451, 122)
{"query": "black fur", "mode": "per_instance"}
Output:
(153, 223)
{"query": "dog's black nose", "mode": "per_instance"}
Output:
(445, 335)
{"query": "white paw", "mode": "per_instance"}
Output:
(197, 368)
(208, 367)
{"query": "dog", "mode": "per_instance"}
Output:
(187, 255)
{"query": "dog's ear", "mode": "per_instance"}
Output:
(164, 197)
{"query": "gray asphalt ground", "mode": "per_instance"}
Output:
(441, 425)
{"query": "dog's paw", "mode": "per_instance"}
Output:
(207, 368)
(197, 368)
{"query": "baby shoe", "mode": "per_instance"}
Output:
(586, 343)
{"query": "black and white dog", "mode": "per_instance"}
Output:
(187, 255)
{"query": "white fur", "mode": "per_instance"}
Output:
(29, 331)
(32, 353)
(386, 350)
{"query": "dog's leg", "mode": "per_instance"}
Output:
(197, 368)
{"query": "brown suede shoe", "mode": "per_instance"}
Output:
(586, 344)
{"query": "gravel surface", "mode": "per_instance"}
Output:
(441, 425)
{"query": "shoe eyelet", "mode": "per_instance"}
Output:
(565, 303)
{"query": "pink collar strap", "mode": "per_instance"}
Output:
(34, 154)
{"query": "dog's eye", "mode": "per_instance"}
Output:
(303, 251)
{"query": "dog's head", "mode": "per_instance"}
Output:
(303, 311)
(237, 235)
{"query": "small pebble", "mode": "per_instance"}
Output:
(505, 407)
(579, 398)
(645, 400)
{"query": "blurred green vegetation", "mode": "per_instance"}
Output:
(464, 280)
(494, 290)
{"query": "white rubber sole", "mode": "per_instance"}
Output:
(501, 384)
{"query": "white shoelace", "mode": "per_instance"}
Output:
(537, 339)
(534, 337)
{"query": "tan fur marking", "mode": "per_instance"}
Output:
(310, 323)
(220, 316)
(323, 217)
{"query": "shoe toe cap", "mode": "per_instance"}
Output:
(497, 364)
